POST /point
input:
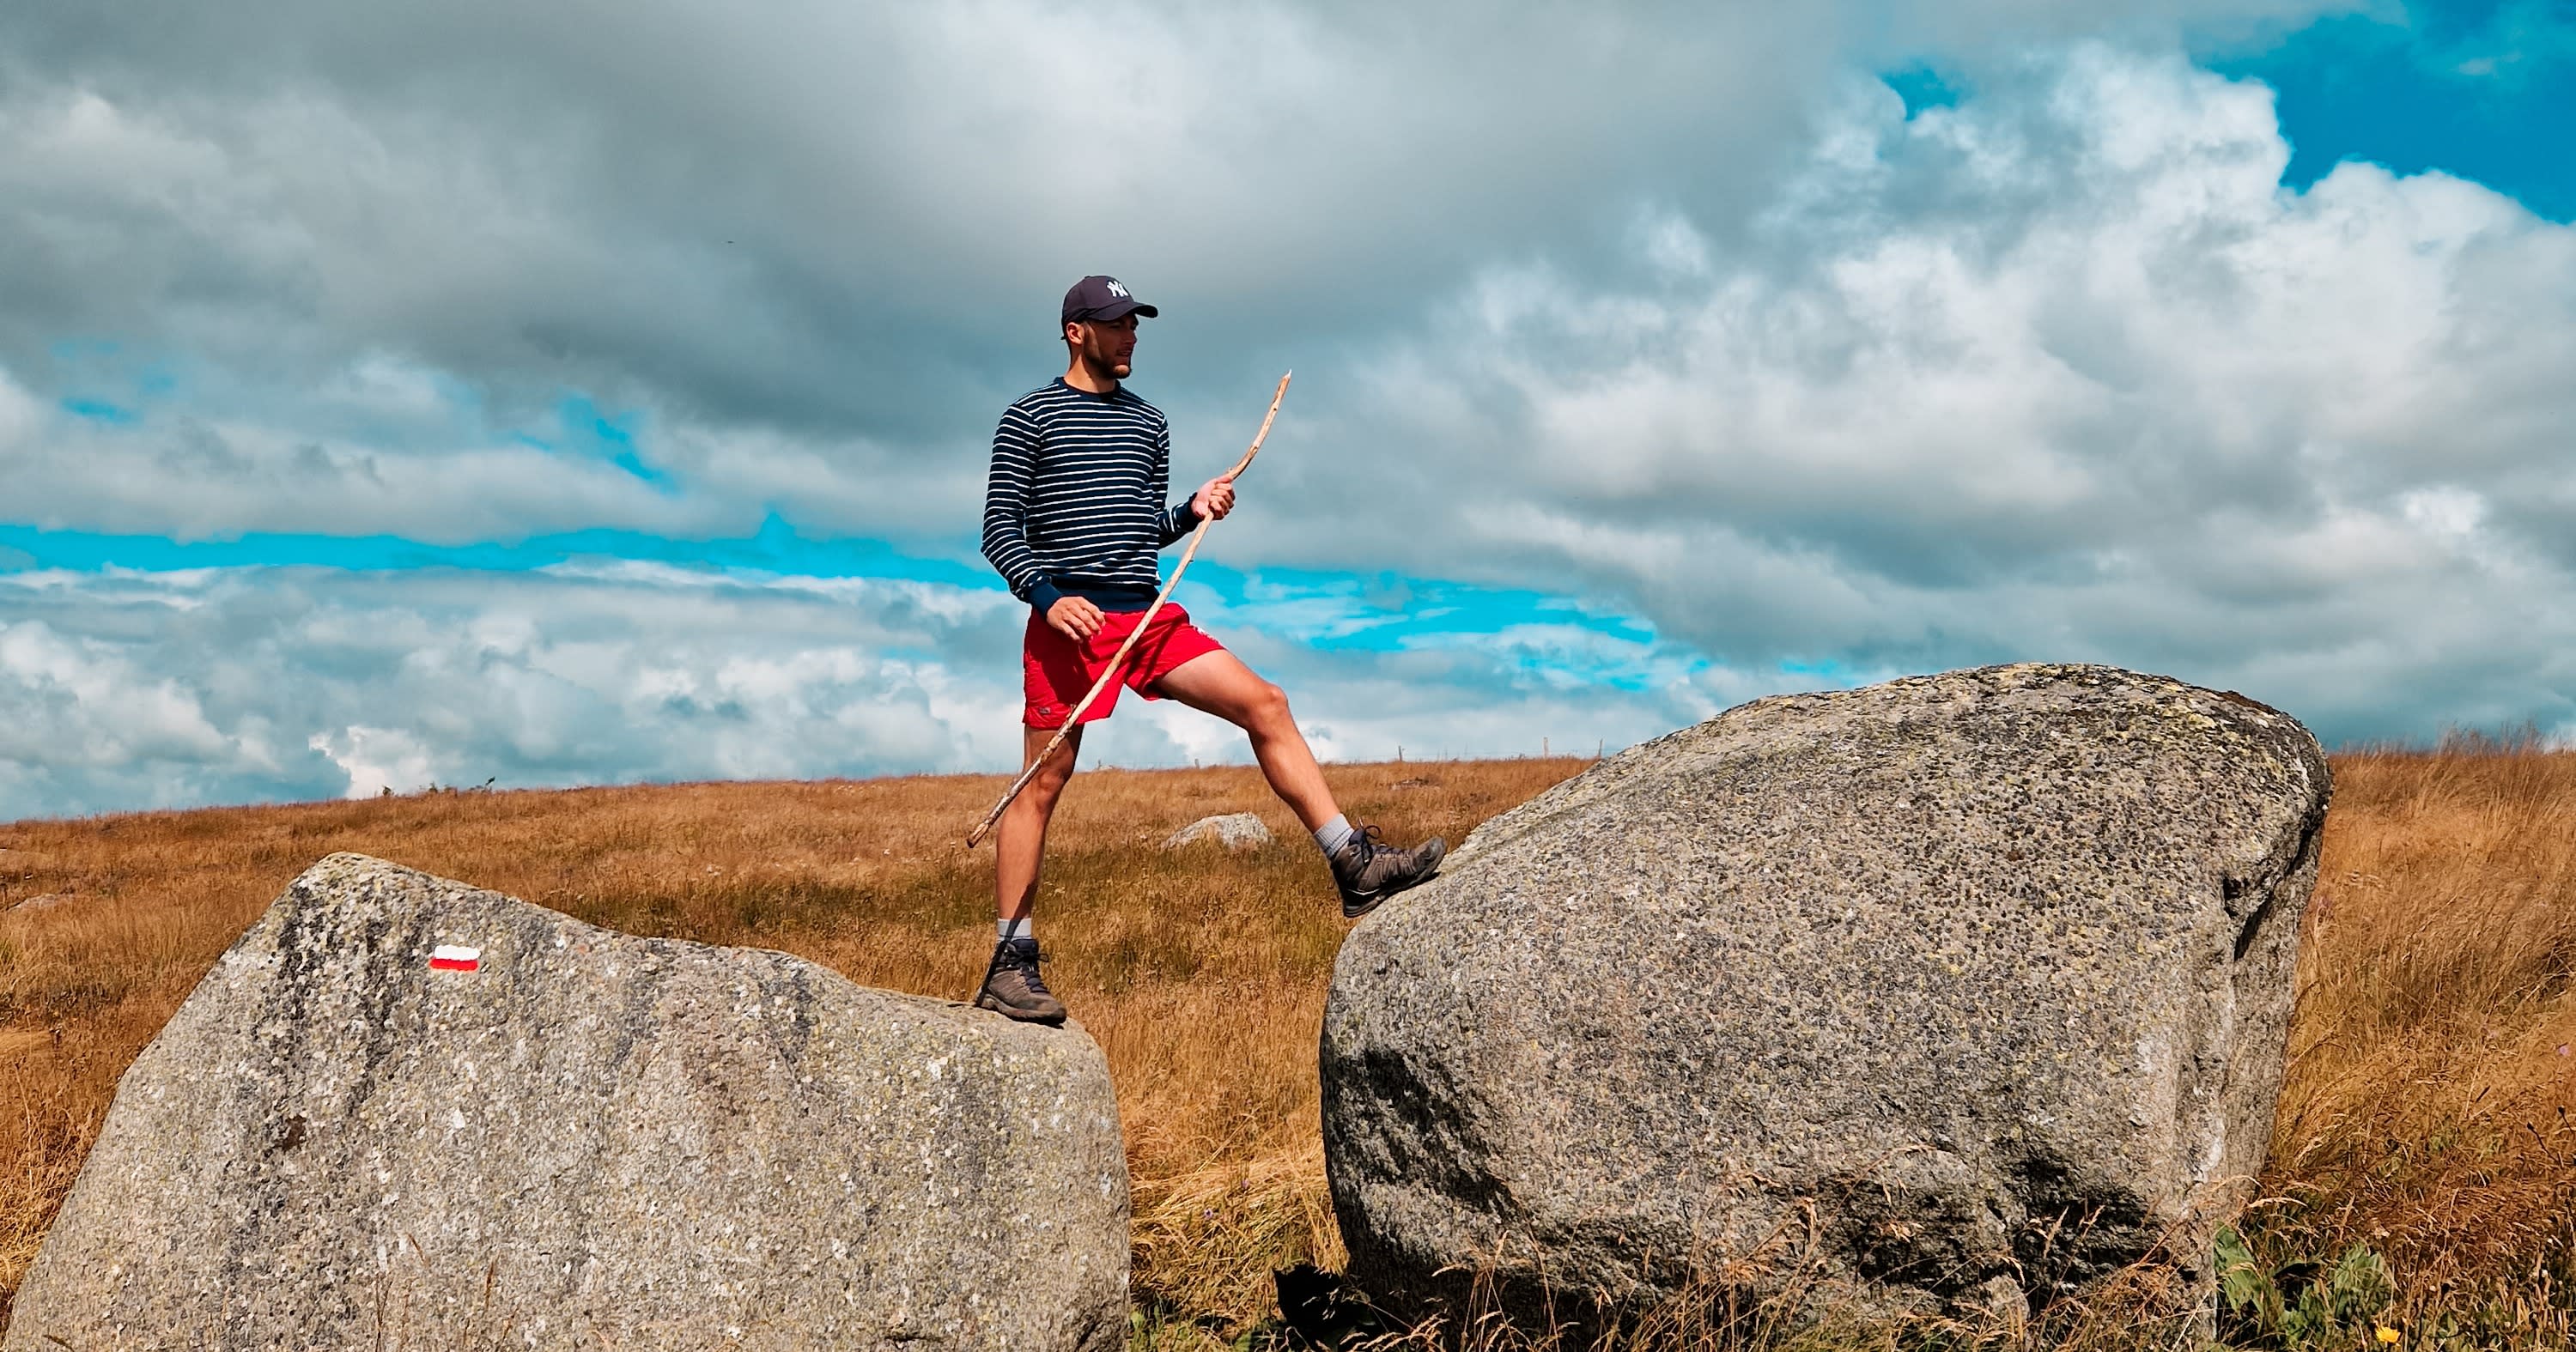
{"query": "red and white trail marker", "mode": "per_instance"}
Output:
(455, 958)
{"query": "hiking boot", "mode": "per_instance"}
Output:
(1368, 870)
(1012, 985)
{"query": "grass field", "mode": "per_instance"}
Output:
(2423, 1174)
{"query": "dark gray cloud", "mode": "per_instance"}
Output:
(849, 220)
(362, 251)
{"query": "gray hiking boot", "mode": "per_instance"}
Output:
(1012, 985)
(1368, 870)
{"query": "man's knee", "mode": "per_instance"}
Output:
(1047, 786)
(1038, 800)
(1053, 775)
(1269, 708)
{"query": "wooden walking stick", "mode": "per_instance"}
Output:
(1110, 673)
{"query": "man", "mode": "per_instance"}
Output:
(1075, 517)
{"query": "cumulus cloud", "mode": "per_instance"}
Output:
(1677, 316)
(2062, 371)
(818, 248)
(125, 690)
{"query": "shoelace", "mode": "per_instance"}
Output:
(1010, 955)
(1029, 968)
(1370, 842)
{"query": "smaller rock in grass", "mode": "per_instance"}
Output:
(1234, 830)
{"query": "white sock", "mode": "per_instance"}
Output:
(1013, 929)
(1333, 834)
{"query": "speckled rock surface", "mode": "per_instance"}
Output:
(590, 1140)
(1962, 990)
(1234, 830)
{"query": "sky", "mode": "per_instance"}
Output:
(601, 393)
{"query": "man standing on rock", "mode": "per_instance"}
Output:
(1074, 518)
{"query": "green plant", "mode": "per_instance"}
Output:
(2302, 1303)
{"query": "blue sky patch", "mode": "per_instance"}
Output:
(591, 431)
(1388, 612)
(99, 410)
(2482, 91)
(582, 429)
(1922, 88)
(775, 548)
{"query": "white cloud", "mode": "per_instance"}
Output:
(377, 760)
(74, 706)
(2060, 372)
(1620, 310)
(126, 690)
(225, 685)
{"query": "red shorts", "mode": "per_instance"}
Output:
(1058, 671)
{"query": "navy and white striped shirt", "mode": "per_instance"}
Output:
(1075, 505)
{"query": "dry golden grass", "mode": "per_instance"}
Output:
(2424, 1117)
(2426, 1110)
(1201, 973)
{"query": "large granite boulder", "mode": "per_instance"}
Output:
(1954, 993)
(402, 1112)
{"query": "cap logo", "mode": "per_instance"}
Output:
(1116, 290)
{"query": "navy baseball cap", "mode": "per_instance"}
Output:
(1102, 298)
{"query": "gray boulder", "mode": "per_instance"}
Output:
(1235, 831)
(1951, 994)
(560, 1136)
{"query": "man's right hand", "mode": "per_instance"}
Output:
(1075, 618)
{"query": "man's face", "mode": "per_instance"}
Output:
(1105, 344)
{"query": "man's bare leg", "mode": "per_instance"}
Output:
(1011, 981)
(1365, 870)
(1019, 839)
(1219, 683)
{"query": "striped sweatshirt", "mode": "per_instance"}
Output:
(1075, 505)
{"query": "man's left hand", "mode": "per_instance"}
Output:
(1214, 499)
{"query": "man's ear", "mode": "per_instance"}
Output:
(1073, 332)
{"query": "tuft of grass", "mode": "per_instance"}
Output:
(1207, 1241)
